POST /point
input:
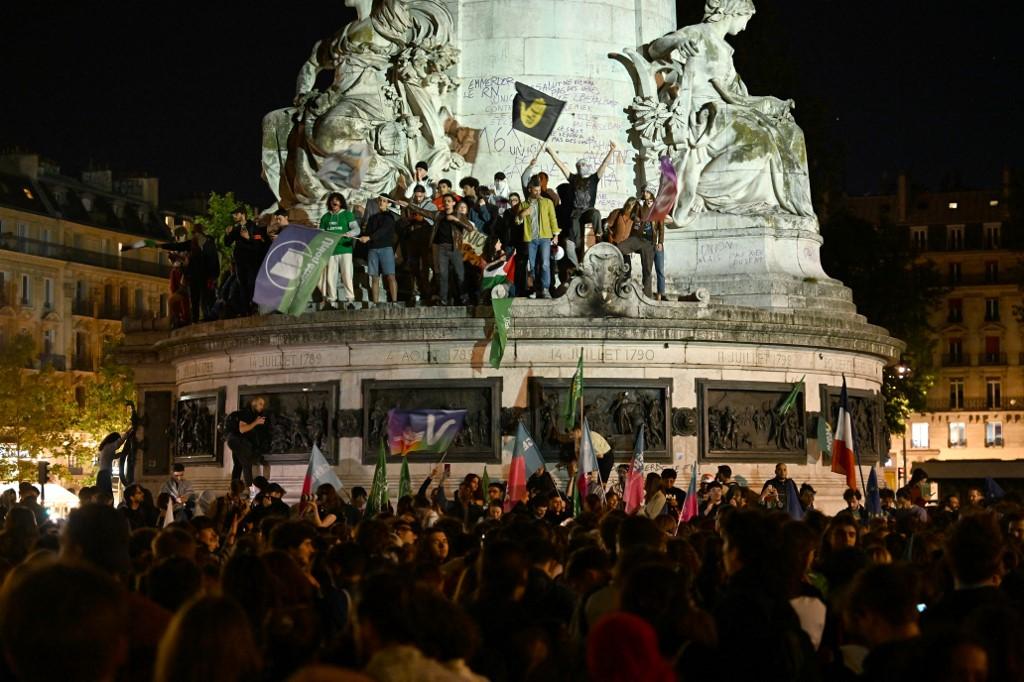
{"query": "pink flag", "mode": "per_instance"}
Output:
(689, 509)
(633, 496)
(668, 192)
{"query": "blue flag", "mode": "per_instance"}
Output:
(793, 507)
(874, 501)
(528, 449)
(993, 491)
(291, 269)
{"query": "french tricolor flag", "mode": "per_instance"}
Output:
(844, 457)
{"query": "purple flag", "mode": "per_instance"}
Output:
(668, 192)
(423, 430)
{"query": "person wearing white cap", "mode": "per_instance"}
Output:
(584, 185)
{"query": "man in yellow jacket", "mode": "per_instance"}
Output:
(540, 231)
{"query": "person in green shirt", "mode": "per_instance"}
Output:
(338, 219)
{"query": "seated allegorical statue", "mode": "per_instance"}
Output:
(383, 111)
(734, 153)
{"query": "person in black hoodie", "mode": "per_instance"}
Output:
(249, 243)
(753, 615)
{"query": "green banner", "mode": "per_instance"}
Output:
(502, 321)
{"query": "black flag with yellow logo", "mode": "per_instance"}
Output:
(535, 113)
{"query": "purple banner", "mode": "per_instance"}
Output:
(423, 430)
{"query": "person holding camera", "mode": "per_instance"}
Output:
(248, 437)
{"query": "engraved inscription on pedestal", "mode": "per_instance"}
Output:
(867, 412)
(614, 408)
(480, 438)
(741, 421)
(298, 416)
(196, 437)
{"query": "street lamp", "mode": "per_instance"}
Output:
(903, 373)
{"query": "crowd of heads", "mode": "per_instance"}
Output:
(459, 582)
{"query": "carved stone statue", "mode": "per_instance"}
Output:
(383, 108)
(734, 153)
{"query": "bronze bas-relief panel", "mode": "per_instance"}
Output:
(740, 421)
(480, 438)
(867, 413)
(196, 437)
(298, 416)
(614, 408)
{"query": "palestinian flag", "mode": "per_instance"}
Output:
(499, 272)
(140, 244)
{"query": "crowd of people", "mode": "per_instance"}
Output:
(468, 585)
(428, 241)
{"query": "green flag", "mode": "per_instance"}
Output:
(404, 481)
(502, 320)
(485, 482)
(575, 394)
(790, 400)
(378, 499)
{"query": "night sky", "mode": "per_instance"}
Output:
(178, 89)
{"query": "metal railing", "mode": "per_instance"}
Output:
(85, 308)
(35, 247)
(969, 404)
(956, 360)
(991, 359)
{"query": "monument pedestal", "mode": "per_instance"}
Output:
(762, 261)
(683, 368)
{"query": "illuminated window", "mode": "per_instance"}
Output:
(28, 193)
(993, 434)
(957, 435)
(993, 202)
(953, 205)
(919, 435)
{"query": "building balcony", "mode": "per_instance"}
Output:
(959, 360)
(991, 359)
(35, 247)
(1007, 403)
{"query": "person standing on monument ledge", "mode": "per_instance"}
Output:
(249, 246)
(584, 185)
(421, 180)
(624, 231)
(540, 231)
(338, 219)
(380, 238)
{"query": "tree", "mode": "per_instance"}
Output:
(106, 395)
(217, 220)
(894, 289)
(36, 407)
